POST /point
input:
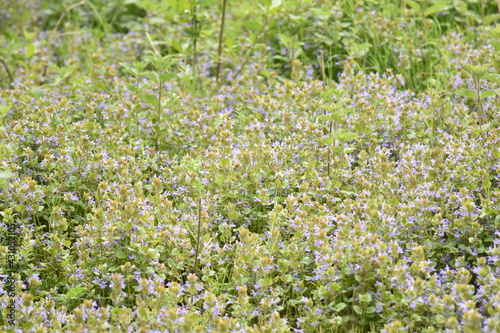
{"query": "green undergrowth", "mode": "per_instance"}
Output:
(339, 174)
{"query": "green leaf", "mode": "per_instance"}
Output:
(339, 307)
(357, 309)
(335, 286)
(143, 313)
(177, 45)
(327, 141)
(4, 175)
(76, 291)
(118, 312)
(37, 92)
(471, 68)
(337, 92)
(347, 110)
(265, 73)
(485, 127)
(335, 116)
(370, 309)
(29, 35)
(486, 183)
(416, 317)
(337, 150)
(233, 215)
(153, 76)
(30, 51)
(253, 25)
(3, 110)
(266, 282)
(492, 77)
(190, 33)
(466, 92)
(167, 76)
(120, 254)
(129, 69)
(275, 4)
(490, 19)
(438, 7)
(225, 162)
(366, 298)
(327, 107)
(149, 98)
(346, 136)
(488, 93)
(336, 183)
(414, 5)
(348, 150)
(495, 44)
(478, 71)
(359, 50)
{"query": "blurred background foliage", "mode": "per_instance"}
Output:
(405, 36)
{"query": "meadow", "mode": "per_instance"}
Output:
(250, 166)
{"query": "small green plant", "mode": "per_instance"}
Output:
(194, 33)
(160, 73)
(335, 113)
(490, 73)
(478, 73)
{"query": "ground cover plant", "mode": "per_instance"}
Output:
(280, 166)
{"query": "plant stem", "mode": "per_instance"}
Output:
(322, 65)
(7, 70)
(481, 109)
(323, 76)
(292, 58)
(194, 24)
(479, 101)
(152, 45)
(160, 86)
(221, 34)
(198, 238)
(54, 30)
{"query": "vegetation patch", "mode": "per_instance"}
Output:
(272, 166)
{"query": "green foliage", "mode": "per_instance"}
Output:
(268, 200)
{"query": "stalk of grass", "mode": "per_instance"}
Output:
(152, 45)
(221, 34)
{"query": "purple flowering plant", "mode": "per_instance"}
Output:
(121, 211)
